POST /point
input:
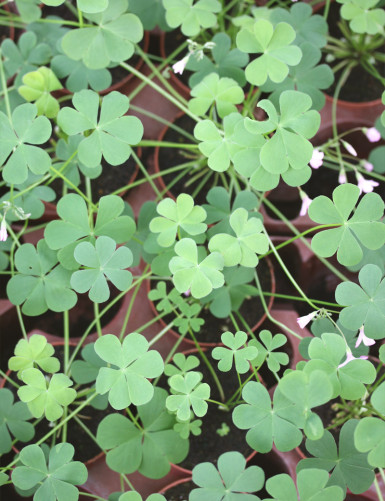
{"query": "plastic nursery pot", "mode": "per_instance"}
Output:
(248, 308)
(323, 180)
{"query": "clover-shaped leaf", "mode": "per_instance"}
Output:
(312, 486)
(92, 6)
(37, 87)
(17, 150)
(232, 481)
(55, 480)
(266, 347)
(190, 15)
(189, 318)
(151, 449)
(363, 18)
(85, 371)
(111, 40)
(186, 428)
(306, 77)
(365, 303)
(29, 10)
(111, 133)
(200, 277)
(25, 56)
(182, 364)
(135, 496)
(266, 424)
(226, 62)
(189, 393)
(46, 397)
(13, 420)
(234, 351)
(74, 226)
(132, 365)
(308, 28)
(151, 13)
(224, 92)
(369, 436)
(40, 284)
(274, 45)
(348, 467)
(247, 242)
(102, 261)
(34, 351)
(327, 353)
(175, 215)
(363, 226)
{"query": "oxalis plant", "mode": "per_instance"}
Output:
(199, 247)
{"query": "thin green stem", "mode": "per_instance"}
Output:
(378, 490)
(97, 318)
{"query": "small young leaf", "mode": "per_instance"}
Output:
(188, 392)
(236, 351)
(35, 350)
(191, 17)
(37, 87)
(266, 350)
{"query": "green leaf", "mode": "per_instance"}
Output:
(92, 6)
(348, 467)
(191, 17)
(55, 481)
(84, 372)
(35, 350)
(37, 87)
(267, 424)
(228, 481)
(41, 284)
(364, 226)
(312, 486)
(111, 40)
(151, 13)
(110, 136)
(244, 246)
(17, 150)
(150, 450)
(135, 496)
(306, 77)
(274, 45)
(365, 303)
(102, 261)
(174, 215)
(3, 478)
(236, 351)
(226, 62)
(363, 19)
(200, 277)
(266, 348)
(188, 392)
(46, 398)
(29, 10)
(132, 365)
(13, 421)
(378, 398)
(369, 436)
(182, 364)
(74, 226)
(224, 92)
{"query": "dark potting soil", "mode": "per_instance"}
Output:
(80, 317)
(251, 310)
(360, 85)
(170, 157)
(209, 445)
(271, 465)
(180, 492)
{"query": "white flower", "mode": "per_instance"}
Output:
(306, 201)
(349, 148)
(316, 159)
(3, 231)
(349, 358)
(342, 177)
(368, 166)
(364, 339)
(372, 134)
(303, 321)
(365, 185)
(179, 66)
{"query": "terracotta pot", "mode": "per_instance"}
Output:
(170, 486)
(176, 82)
(189, 341)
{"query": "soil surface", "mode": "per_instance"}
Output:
(180, 492)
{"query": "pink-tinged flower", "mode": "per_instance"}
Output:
(349, 358)
(303, 321)
(368, 166)
(187, 293)
(365, 185)
(372, 134)
(306, 201)
(179, 66)
(316, 159)
(342, 177)
(3, 231)
(349, 148)
(364, 339)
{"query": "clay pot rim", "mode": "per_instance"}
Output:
(169, 486)
(359, 106)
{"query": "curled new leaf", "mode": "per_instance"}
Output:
(37, 87)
